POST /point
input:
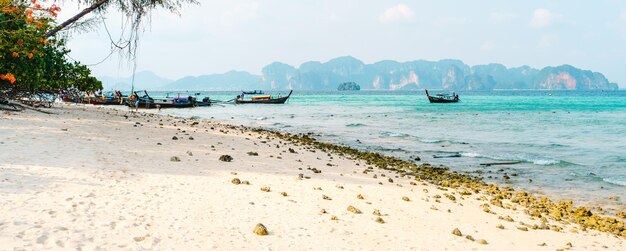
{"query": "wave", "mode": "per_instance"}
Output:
(615, 181)
(432, 141)
(355, 125)
(526, 159)
(395, 135)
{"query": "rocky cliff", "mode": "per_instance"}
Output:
(420, 74)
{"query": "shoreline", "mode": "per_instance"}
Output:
(199, 143)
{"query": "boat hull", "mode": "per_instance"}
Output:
(281, 100)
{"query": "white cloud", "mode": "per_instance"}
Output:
(543, 18)
(397, 14)
(502, 17)
(240, 13)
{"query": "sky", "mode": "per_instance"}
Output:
(220, 36)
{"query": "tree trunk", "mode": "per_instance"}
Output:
(75, 18)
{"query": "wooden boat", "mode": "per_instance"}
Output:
(442, 98)
(255, 92)
(265, 99)
(147, 102)
(205, 102)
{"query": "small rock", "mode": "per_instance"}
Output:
(469, 237)
(323, 211)
(235, 181)
(326, 197)
(334, 218)
(226, 158)
(284, 194)
(175, 159)
(376, 212)
(245, 182)
(190, 138)
(253, 153)
(380, 220)
(405, 198)
(482, 242)
(265, 189)
(457, 232)
(259, 229)
(359, 196)
(354, 210)
(174, 138)
(390, 180)
(525, 229)
(500, 226)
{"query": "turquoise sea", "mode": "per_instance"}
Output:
(571, 144)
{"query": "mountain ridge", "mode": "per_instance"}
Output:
(449, 74)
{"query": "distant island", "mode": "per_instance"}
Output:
(448, 74)
(349, 86)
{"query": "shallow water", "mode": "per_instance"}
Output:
(572, 144)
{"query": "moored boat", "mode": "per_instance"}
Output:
(147, 102)
(442, 98)
(255, 92)
(265, 99)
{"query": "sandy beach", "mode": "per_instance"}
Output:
(92, 178)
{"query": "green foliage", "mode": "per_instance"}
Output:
(35, 65)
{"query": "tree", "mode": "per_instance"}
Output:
(30, 65)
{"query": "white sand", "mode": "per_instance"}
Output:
(89, 179)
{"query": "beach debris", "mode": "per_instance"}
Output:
(334, 218)
(359, 196)
(380, 220)
(339, 186)
(235, 181)
(469, 237)
(482, 242)
(175, 159)
(284, 194)
(500, 226)
(174, 138)
(253, 154)
(450, 197)
(245, 182)
(260, 229)
(542, 244)
(190, 137)
(139, 238)
(265, 189)
(390, 180)
(354, 210)
(323, 211)
(457, 232)
(292, 151)
(326, 197)
(189, 153)
(376, 212)
(506, 218)
(404, 198)
(226, 158)
(525, 229)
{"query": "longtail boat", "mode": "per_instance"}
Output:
(265, 99)
(255, 92)
(147, 102)
(442, 98)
